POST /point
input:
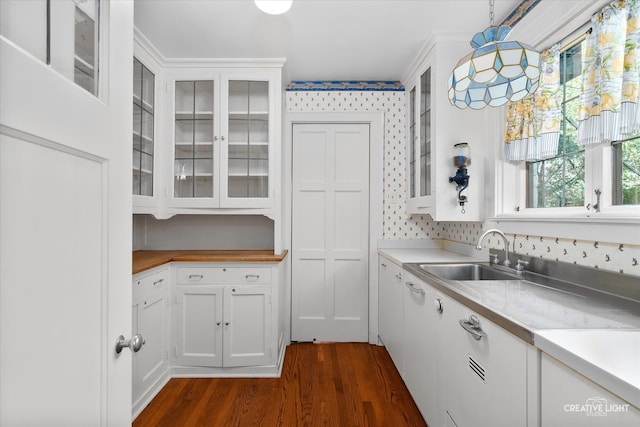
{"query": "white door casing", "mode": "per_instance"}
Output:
(65, 226)
(330, 232)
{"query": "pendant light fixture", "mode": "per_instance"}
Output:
(274, 7)
(497, 71)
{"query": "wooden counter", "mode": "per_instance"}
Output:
(145, 260)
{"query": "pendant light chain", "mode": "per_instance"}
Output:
(491, 3)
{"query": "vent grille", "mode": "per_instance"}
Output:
(477, 369)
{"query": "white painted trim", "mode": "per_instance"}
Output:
(165, 62)
(376, 173)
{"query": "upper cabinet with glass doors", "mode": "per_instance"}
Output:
(434, 126)
(143, 127)
(224, 133)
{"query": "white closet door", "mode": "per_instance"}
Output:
(330, 222)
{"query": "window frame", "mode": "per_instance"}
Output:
(507, 193)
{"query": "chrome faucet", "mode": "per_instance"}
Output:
(506, 244)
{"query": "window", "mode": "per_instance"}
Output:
(626, 172)
(560, 181)
(85, 46)
(63, 34)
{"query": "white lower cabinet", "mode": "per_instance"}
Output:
(422, 374)
(390, 309)
(223, 326)
(198, 325)
(486, 378)
(223, 317)
(568, 399)
(151, 320)
(205, 320)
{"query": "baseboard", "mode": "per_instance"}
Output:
(148, 395)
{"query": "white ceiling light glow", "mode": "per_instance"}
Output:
(274, 7)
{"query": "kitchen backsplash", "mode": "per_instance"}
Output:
(605, 255)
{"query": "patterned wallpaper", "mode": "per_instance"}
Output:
(605, 255)
(392, 103)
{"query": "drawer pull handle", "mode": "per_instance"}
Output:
(473, 327)
(414, 289)
(157, 282)
(252, 277)
(196, 277)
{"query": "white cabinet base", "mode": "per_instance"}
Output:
(572, 400)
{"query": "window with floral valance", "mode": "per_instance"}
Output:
(588, 97)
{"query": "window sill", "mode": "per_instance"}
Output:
(620, 225)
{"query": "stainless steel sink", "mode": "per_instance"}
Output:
(467, 272)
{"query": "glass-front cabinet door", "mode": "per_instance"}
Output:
(194, 157)
(223, 140)
(419, 144)
(143, 129)
(247, 164)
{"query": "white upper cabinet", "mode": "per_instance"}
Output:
(207, 135)
(434, 126)
(224, 132)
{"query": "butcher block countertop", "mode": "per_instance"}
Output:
(145, 260)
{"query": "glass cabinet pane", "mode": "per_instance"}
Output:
(248, 147)
(193, 146)
(425, 133)
(143, 129)
(412, 143)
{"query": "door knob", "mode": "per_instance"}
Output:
(134, 344)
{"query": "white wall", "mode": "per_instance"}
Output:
(202, 232)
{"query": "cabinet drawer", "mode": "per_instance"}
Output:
(222, 275)
(145, 286)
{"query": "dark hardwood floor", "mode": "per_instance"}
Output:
(350, 384)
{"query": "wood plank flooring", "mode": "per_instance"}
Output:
(346, 384)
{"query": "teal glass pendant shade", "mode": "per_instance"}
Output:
(497, 71)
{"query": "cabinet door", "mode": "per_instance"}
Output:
(390, 309)
(246, 142)
(420, 349)
(486, 379)
(143, 129)
(198, 325)
(420, 145)
(195, 148)
(151, 362)
(247, 326)
(569, 399)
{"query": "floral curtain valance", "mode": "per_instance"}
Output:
(609, 100)
(532, 129)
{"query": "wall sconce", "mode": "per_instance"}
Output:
(461, 160)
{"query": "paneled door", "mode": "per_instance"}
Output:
(330, 225)
(65, 212)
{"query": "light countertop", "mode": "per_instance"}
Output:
(610, 358)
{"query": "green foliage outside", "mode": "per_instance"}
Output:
(630, 172)
(560, 181)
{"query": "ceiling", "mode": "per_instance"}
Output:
(320, 39)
